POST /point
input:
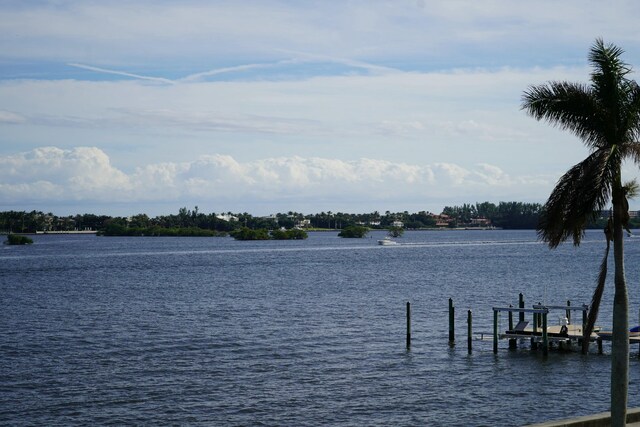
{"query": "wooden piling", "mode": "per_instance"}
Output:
(521, 305)
(512, 341)
(408, 324)
(469, 332)
(495, 331)
(569, 311)
(510, 319)
(599, 341)
(539, 317)
(452, 334)
(545, 338)
(534, 343)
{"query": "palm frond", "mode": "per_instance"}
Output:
(570, 106)
(630, 115)
(577, 197)
(611, 88)
(608, 67)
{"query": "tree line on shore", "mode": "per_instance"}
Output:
(506, 215)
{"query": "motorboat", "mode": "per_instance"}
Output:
(387, 242)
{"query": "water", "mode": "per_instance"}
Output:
(212, 331)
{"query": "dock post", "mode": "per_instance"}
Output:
(408, 324)
(539, 316)
(545, 338)
(534, 343)
(521, 305)
(469, 332)
(495, 331)
(512, 341)
(599, 341)
(452, 333)
(569, 311)
(584, 318)
(510, 319)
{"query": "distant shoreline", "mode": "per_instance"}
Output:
(66, 232)
(321, 230)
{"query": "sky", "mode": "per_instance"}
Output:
(127, 107)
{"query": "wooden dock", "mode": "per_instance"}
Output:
(538, 329)
(554, 333)
(565, 334)
(540, 333)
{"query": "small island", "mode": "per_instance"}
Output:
(354, 232)
(246, 233)
(16, 239)
(115, 229)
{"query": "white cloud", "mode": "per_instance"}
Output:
(318, 101)
(86, 174)
(49, 172)
(450, 174)
(492, 175)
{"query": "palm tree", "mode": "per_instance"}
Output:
(630, 190)
(606, 116)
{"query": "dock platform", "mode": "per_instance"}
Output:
(540, 333)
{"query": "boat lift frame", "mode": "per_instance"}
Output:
(537, 310)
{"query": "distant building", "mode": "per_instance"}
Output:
(303, 223)
(397, 223)
(227, 217)
(480, 222)
(372, 223)
(442, 220)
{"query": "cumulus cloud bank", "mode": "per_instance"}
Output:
(49, 174)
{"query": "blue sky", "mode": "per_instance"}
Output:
(124, 107)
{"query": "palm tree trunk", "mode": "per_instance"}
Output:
(595, 300)
(620, 339)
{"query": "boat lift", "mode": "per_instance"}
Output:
(540, 331)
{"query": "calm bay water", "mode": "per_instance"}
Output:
(212, 331)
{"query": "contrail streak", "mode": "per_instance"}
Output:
(121, 73)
